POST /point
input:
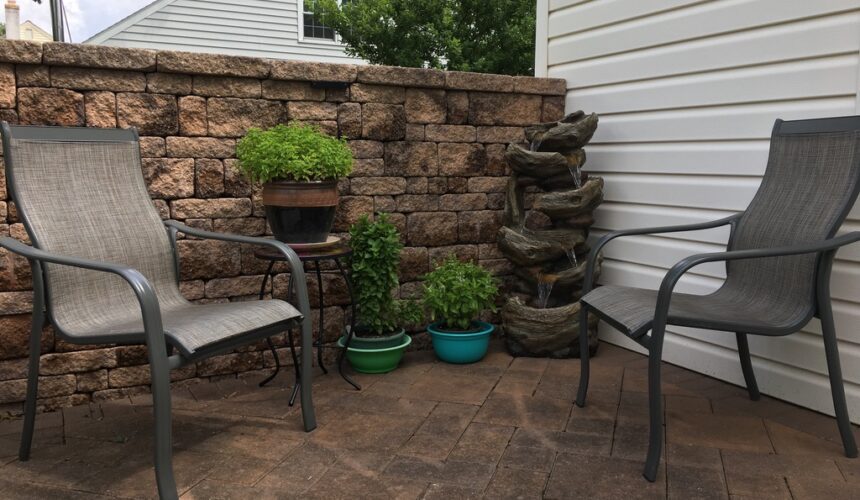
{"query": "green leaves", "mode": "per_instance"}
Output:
(293, 152)
(457, 292)
(375, 256)
(461, 35)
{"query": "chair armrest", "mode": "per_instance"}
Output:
(140, 285)
(33, 253)
(664, 295)
(595, 250)
(296, 266)
(692, 261)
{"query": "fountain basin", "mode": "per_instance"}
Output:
(573, 131)
(541, 164)
(567, 276)
(526, 248)
(553, 332)
(571, 202)
(461, 347)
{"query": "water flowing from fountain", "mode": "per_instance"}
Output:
(544, 286)
(523, 222)
(534, 145)
(571, 256)
(576, 173)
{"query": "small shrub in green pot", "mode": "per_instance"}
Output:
(380, 337)
(299, 167)
(456, 293)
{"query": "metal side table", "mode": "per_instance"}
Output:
(333, 253)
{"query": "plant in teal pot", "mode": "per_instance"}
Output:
(456, 293)
(380, 338)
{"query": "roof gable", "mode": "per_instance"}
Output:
(128, 21)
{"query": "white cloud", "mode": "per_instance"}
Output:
(85, 17)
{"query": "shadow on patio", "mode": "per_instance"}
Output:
(501, 428)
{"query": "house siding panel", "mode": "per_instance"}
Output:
(258, 28)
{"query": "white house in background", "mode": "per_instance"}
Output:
(31, 31)
(687, 93)
(278, 29)
(16, 30)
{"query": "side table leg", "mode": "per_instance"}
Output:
(351, 332)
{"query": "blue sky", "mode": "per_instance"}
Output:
(85, 17)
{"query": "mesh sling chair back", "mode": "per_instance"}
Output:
(778, 264)
(105, 268)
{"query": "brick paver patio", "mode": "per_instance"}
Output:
(501, 428)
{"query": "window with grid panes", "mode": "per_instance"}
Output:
(313, 27)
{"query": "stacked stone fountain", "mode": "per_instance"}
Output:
(547, 244)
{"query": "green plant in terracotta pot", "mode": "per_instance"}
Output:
(380, 337)
(456, 294)
(299, 167)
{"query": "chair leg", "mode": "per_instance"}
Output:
(746, 366)
(308, 417)
(655, 405)
(583, 355)
(160, 374)
(837, 389)
(32, 383)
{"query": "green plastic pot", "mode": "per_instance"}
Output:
(375, 360)
(377, 342)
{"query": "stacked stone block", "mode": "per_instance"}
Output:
(428, 148)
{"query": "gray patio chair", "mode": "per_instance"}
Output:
(105, 268)
(778, 264)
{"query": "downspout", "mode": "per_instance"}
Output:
(57, 20)
(541, 37)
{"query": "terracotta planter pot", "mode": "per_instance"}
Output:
(300, 212)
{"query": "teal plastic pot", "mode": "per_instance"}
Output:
(375, 360)
(461, 348)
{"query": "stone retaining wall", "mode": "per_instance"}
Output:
(428, 146)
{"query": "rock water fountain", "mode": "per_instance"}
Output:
(547, 243)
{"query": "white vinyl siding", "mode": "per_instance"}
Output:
(687, 92)
(257, 28)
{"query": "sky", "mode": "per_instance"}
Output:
(85, 17)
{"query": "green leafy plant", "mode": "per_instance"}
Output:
(456, 293)
(375, 257)
(295, 152)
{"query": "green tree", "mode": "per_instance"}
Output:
(2, 30)
(463, 35)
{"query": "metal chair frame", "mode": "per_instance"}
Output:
(825, 251)
(160, 360)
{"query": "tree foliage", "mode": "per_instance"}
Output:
(2, 30)
(462, 35)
